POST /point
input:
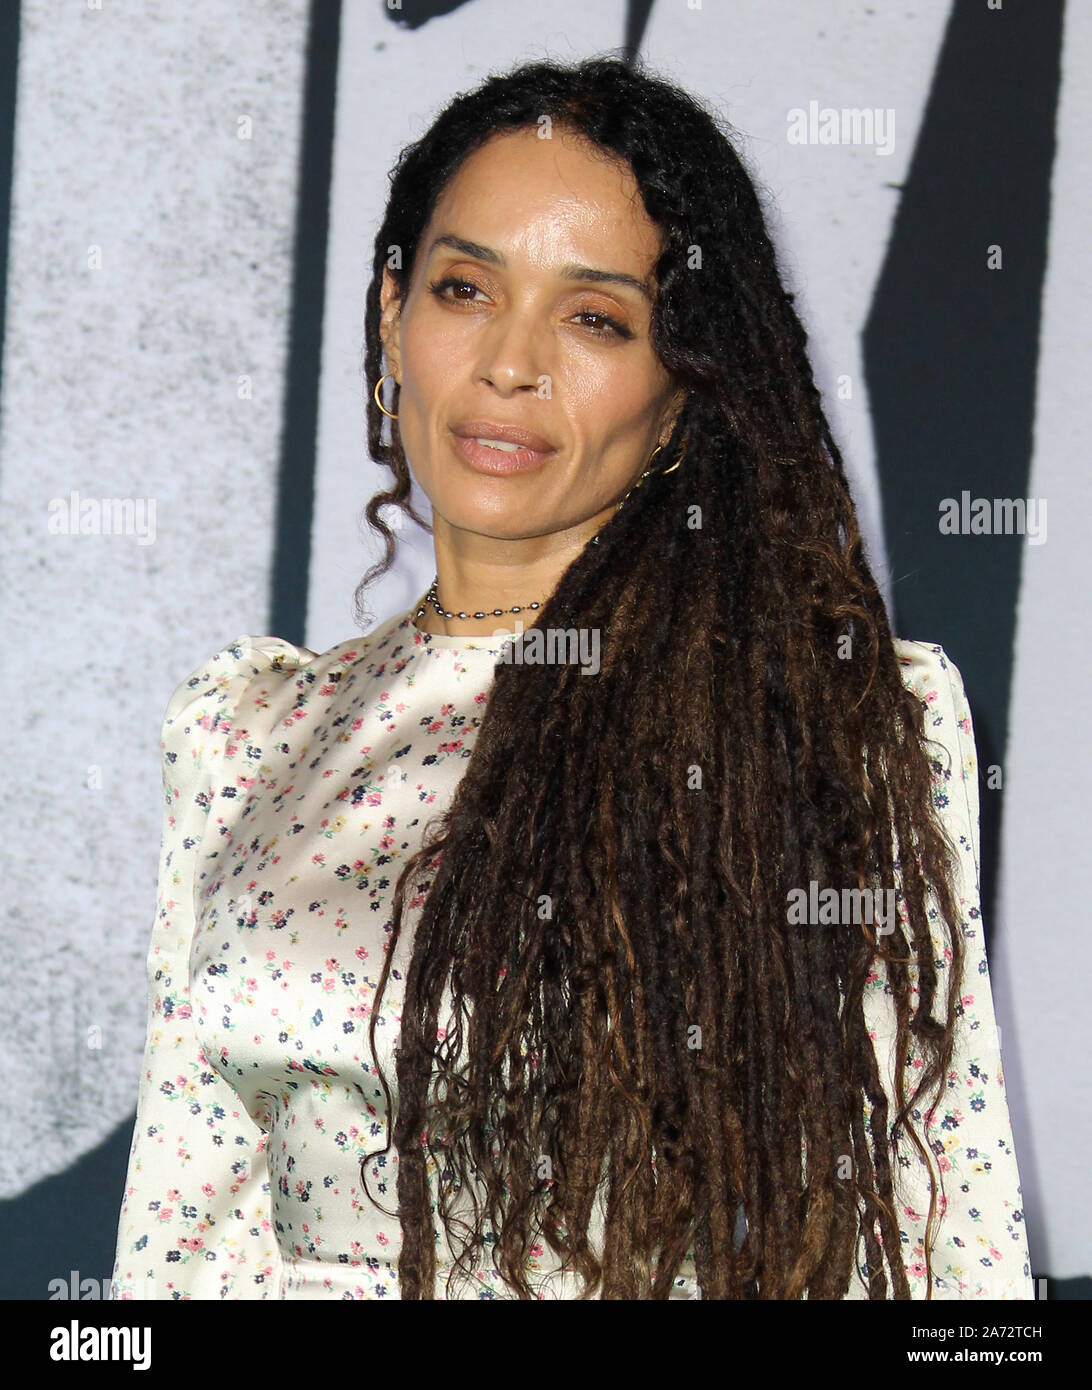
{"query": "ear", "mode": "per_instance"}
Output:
(674, 410)
(390, 322)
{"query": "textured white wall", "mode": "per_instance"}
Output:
(1042, 960)
(121, 382)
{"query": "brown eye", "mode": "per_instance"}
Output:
(613, 329)
(438, 286)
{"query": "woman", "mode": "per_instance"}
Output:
(652, 919)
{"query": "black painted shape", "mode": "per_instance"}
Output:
(66, 1222)
(951, 351)
(296, 481)
(9, 79)
(637, 13)
(414, 14)
(1074, 1290)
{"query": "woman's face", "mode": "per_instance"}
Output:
(510, 320)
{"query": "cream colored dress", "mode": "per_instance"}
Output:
(295, 784)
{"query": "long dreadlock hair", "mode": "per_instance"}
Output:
(725, 753)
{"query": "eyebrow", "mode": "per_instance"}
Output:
(567, 272)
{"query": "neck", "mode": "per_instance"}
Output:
(478, 573)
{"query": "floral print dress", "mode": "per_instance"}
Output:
(295, 785)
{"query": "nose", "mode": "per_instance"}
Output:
(514, 353)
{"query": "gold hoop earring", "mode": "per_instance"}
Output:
(648, 471)
(666, 471)
(379, 403)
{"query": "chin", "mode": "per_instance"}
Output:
(500, 528)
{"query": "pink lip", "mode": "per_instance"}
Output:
(511, 434)
(499, 462)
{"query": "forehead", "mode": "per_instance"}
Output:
(547, 199)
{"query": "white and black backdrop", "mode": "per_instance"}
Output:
(188, 198)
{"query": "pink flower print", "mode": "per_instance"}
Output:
(208, 1189)
(917, 1270)
(193, 1243)
(967, 1000)
(271, 955)
(164, 1213)
(319, 859)
(182, 1011)
(446, 709)
(361, 953)
(382, 1238)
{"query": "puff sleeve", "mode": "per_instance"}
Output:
(980, 1249)
(195, 1219)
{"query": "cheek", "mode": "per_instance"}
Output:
(427, 355)
(611, 404)
(427, 379)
